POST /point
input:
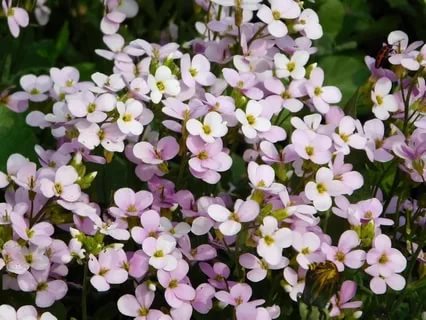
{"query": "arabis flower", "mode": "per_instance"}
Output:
(196, 71)
(63, 185)
(321, 191)
(16, 17)
(159, 250)
(273, 240)
(212, 127)
(294, 67)
(384, 101)
(280, 9)
(230, 222)
(321, 95)
(344, 254)
(163, 82)
(128, 117)
(251, 120)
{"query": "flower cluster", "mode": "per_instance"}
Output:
(186, 238)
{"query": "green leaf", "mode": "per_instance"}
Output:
(62, 40)
(15, 136)
(331, 15)
(345, 72)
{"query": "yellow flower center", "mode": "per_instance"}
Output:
(321, 188)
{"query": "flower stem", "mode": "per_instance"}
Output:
(84, 293)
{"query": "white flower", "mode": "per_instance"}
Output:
(321, 191)
(383, 101)
(280, 9)
(159, 250)
(127, 121)
(213, 127)
(251, 5)
(251, 120)
(273, 240)
(308, 24)
(293, 67)
(164, 82)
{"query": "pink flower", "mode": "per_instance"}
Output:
(111, 22)
(63, 186)
(311, 146)
(159, 250)
(93, 108)
(177, 292)
(321, 96)
(377, 147)
(344, 254)
(13, 258)
(384, 102)
(130, 203)
(262, 177)
(342, 299)
(166, 149)
(203, 301)
(212, 127)
(196, 71)
(150, 221)
(108, 269)
(383, 259)
(39, 234)
(244, 82)
(36, 87)
(16, 17)
(325, 187)
(47, 292)
(295, 282)
(138, 306)
(273, 240)
(230, 222)
(207, 159)
(218, 274)
(252, 121)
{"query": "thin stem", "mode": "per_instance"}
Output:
(84, 293)
(256, 35)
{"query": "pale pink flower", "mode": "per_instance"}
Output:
(295, 282)
(36, 87)
(306, 245)
(47, 291)
(196, 71)
(341, 301)
(344, 254)
(107, 268)
(177, 291)
(166, 149)
(39, 234)
(130, 203)
(312, 146)
(230, 222)
(259, 268)
(139, 306)
(63, 185)
(16, 17)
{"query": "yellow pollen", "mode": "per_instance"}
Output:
(161, 86)
(251, 119)
(276, 14)
(321, 188)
